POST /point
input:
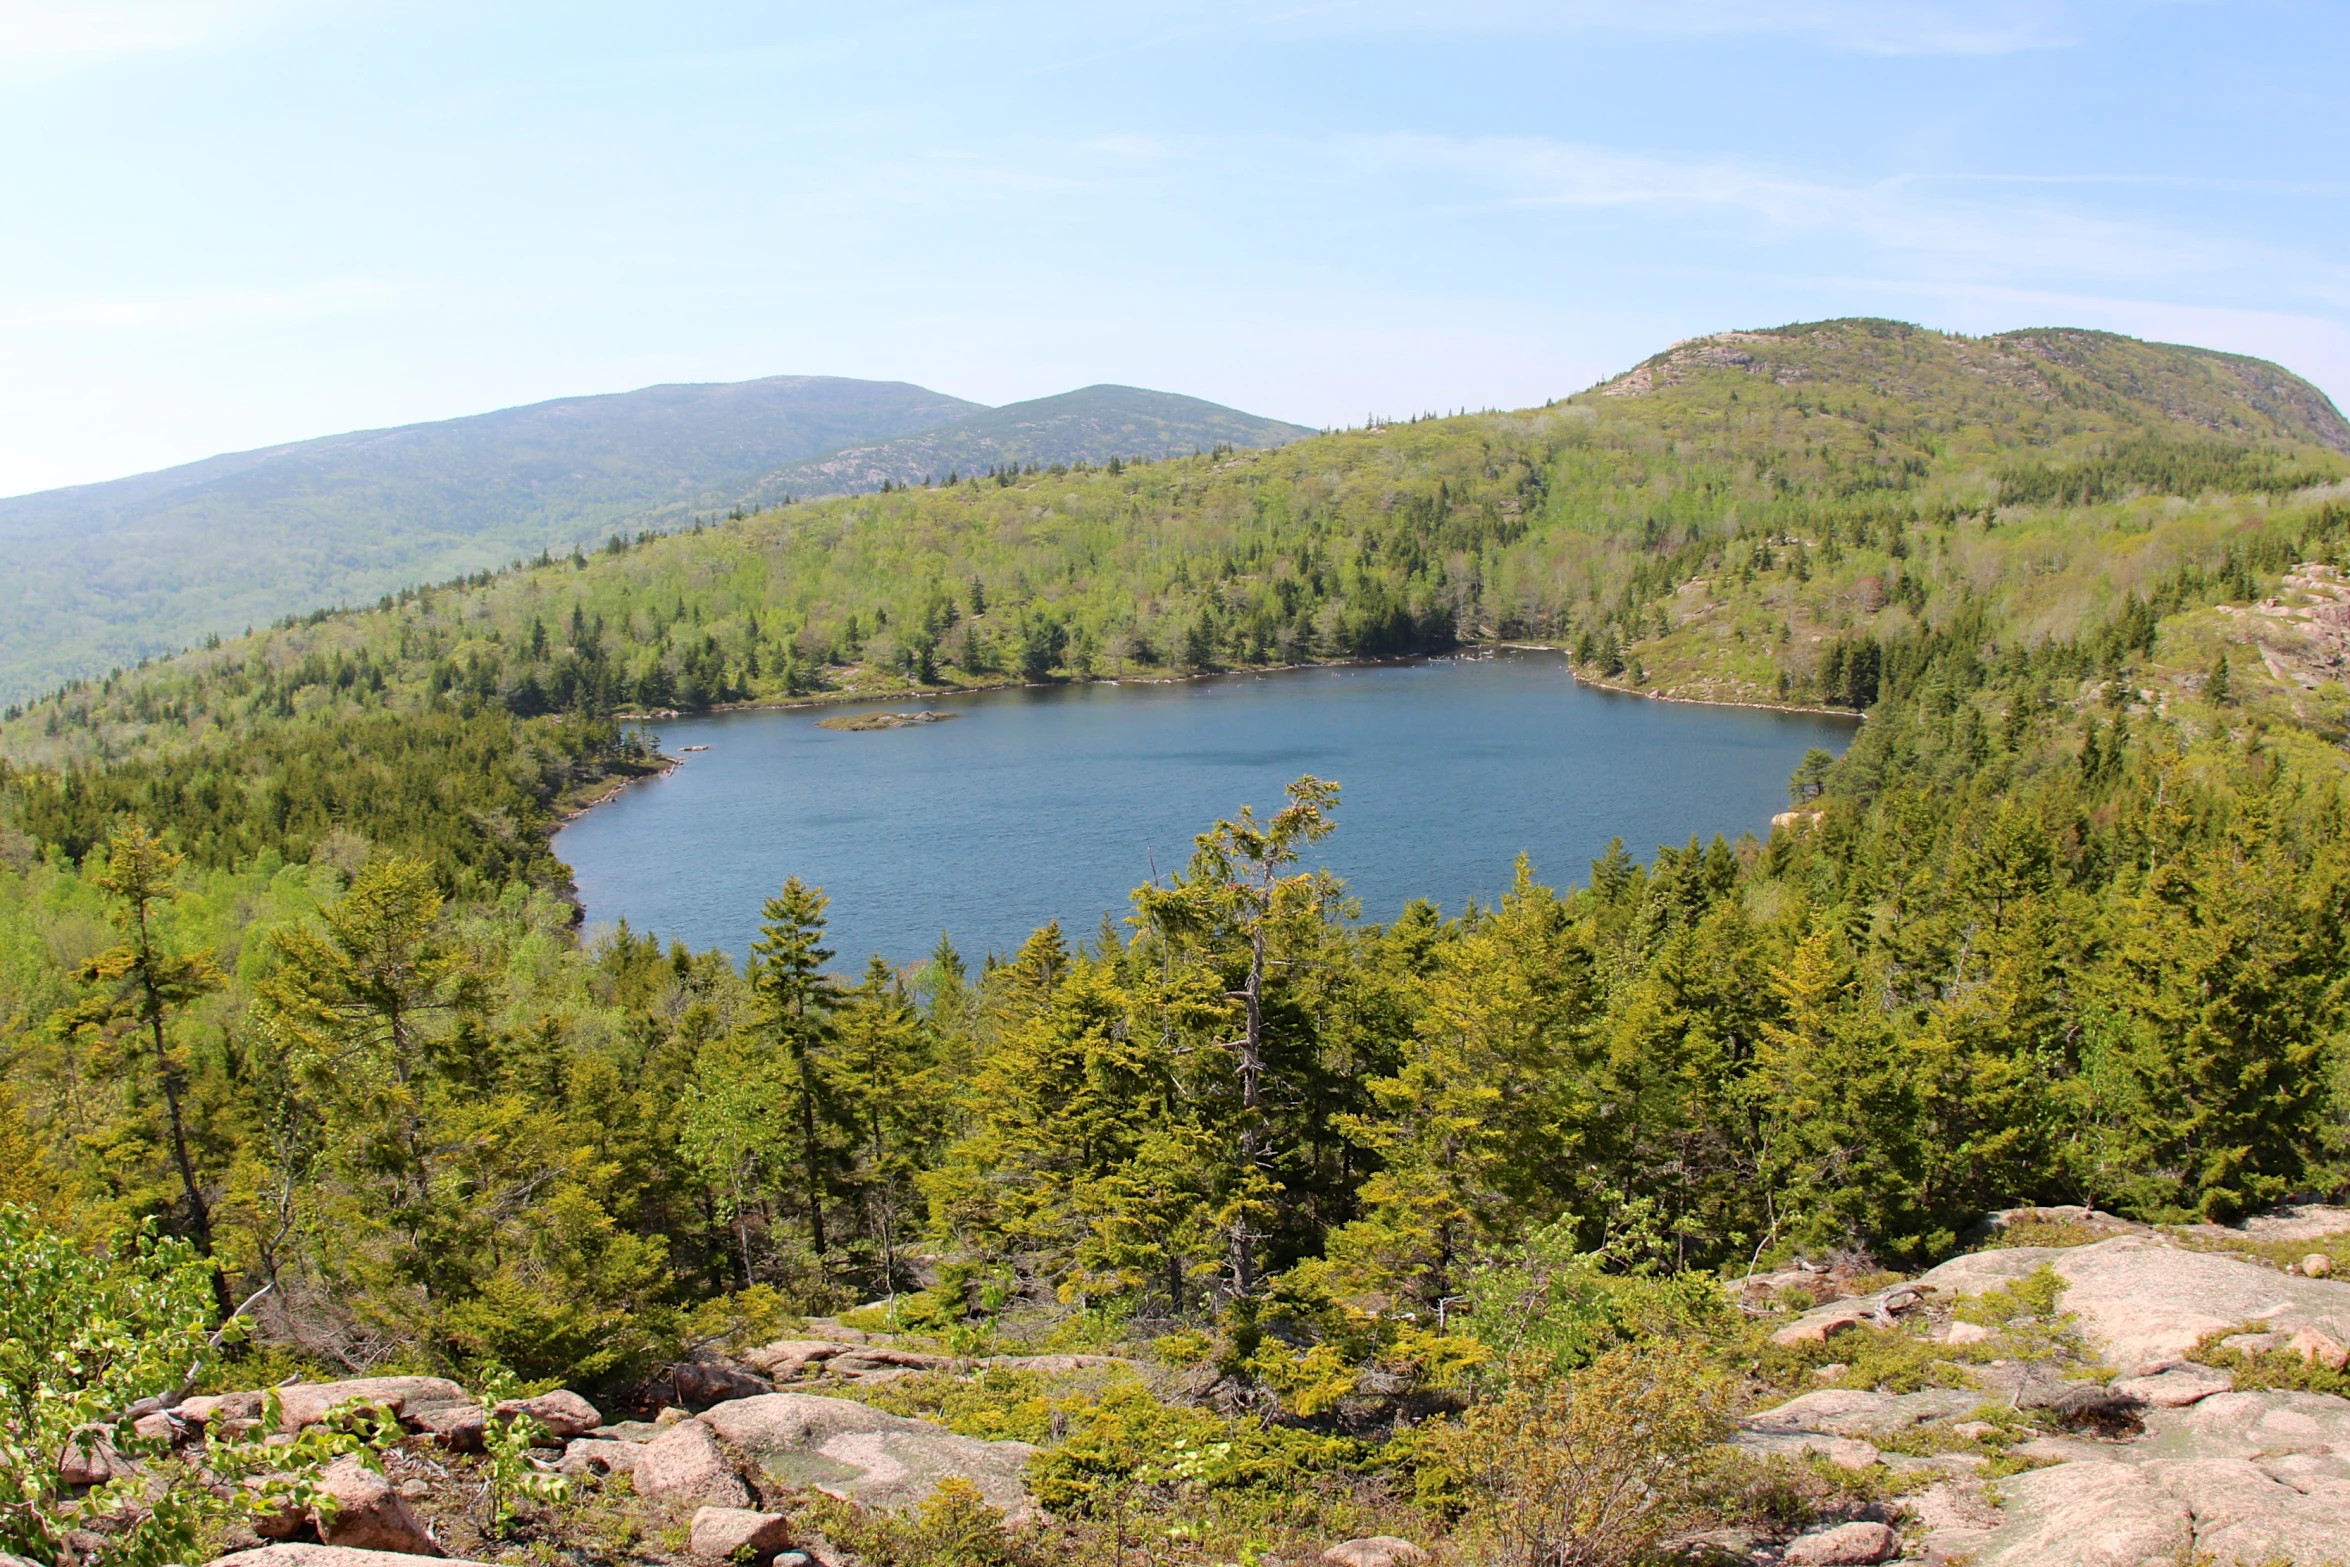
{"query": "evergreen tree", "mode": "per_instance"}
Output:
(1229, 908)
(796, 1001)
(139, 983)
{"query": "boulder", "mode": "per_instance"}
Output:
(1377, 1550)
(281, 1523)
(2317, 1265)
(2291, 1507)
(564, 1413)
(1820, 1326)
(208, 1408)
(1846, 1545)
(159, 1427)
(596, 1456)
(686, 1463)
(719, 1532)
(369, 1514)
(852, 1451)
(306, 1403)
(296, 1555)
(90, 1459)
(2318, 1349)
(695, 1385)
(458, 1427)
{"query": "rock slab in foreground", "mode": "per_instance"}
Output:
(294, 1555)
(849, 1450)
(2235, 1477)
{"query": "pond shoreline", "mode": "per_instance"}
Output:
(1051, 808)
(669, 764)
(940, 693)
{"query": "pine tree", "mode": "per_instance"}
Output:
(1228, 907)
(884, 1074)
(141, 982)
(796, 1000)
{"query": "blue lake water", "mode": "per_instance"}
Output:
(1055, 803)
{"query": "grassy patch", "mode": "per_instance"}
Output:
(2280, 1370)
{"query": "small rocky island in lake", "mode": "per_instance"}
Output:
(861, 721)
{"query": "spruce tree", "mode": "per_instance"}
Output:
(796, 1000)
(140, 982)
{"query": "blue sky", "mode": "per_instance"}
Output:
(225, 223)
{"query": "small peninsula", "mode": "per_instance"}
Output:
(859, 722)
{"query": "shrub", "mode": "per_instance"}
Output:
(86, 1341)
(1590, 1468)
(1567, 1306)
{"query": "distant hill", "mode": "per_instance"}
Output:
(1716, 523)
(2044, 387)
(1092, 425)
(103, 575)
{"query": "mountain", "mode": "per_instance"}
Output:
(1720, 518)
(2041, 387)
(106, 574)
(1090, 425)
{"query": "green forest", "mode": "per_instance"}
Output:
(288, 970)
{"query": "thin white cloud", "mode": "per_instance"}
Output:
(2007, 240)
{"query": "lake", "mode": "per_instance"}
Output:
(1056, 802)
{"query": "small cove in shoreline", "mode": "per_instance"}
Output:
(1056, 802)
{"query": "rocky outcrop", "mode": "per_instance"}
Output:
(852, 1451)
(562, 1413)
(2168, 1466)
(2113, 1513)
(306, 1403)
(2142, 1303)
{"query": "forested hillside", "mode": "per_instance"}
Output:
(107, 574)
(2068, 923)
